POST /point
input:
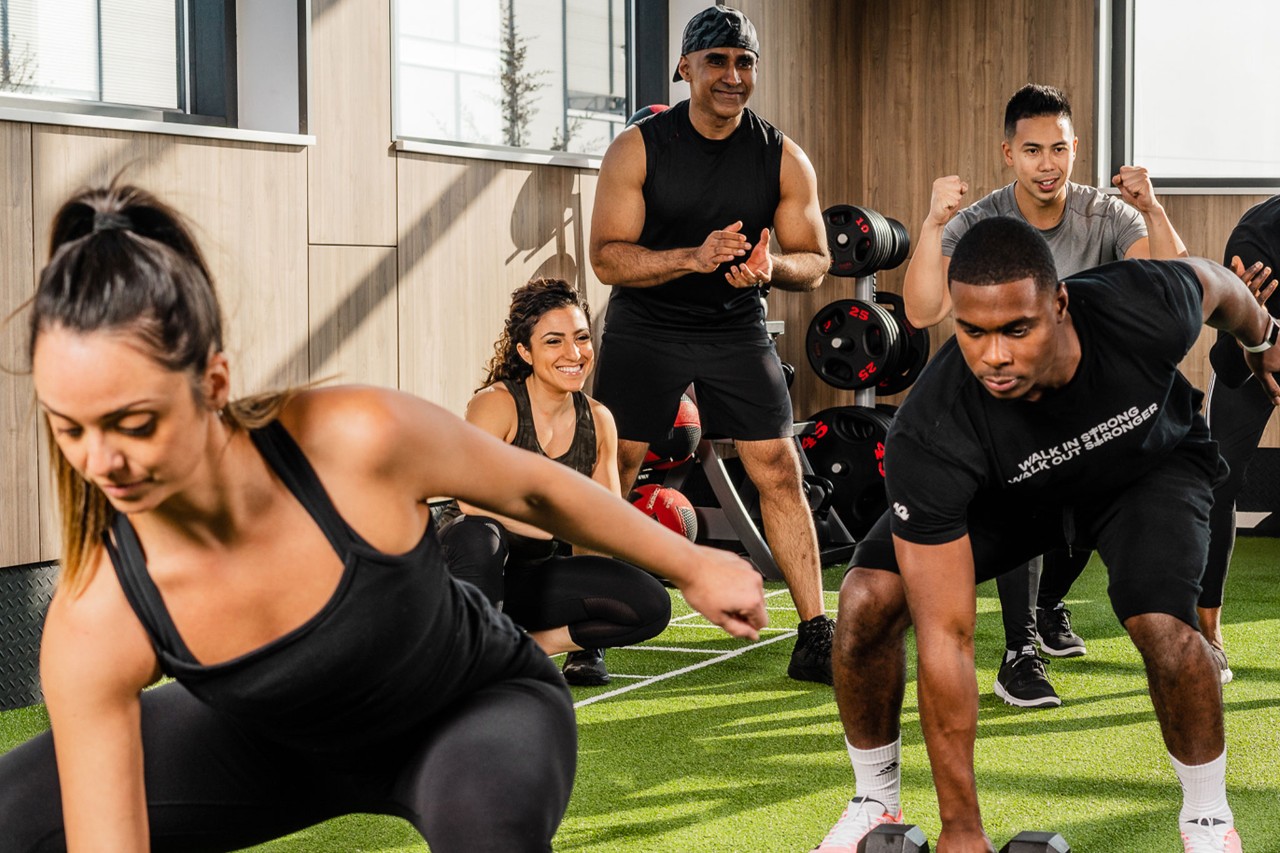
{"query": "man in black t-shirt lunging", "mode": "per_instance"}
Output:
(699, 209)
(1044, 424)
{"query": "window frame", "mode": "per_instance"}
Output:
(208, 77)
(645, 25)
(1115, 112)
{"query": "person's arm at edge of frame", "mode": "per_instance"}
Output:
(801, 260)
(1231, 306)
(432, 452)
(925, 294)
(95, 659)
(942, 597)
(1162, 241)
(618, 218)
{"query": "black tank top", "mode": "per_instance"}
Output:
(693, 186)
(399, 641)
(581, 455)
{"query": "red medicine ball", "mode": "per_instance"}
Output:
(644, 112)
(667, 507)
(680, 443)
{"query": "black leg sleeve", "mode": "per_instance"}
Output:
(1018, 590)
(1062, 567)
(1237, 418)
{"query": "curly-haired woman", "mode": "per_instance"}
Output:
(532, 398)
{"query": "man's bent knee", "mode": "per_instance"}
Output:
(771, 464)
(873, 608)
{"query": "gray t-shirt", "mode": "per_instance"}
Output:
(1095, 229)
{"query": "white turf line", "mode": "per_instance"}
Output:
(720, 657)
(691, 668)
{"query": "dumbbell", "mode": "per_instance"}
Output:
(1037, 842)
(894, 838)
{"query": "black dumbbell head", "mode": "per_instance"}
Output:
(1037, 842)
(894, 838)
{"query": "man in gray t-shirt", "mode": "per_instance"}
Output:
(1095, 228)
(1084, 227)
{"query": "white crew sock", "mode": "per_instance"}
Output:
(877, 773)
(1204, 789)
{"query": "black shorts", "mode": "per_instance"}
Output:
(1153, 536)
(741, 389)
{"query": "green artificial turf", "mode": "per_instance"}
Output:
(727, 754)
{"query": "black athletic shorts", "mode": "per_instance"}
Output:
(741, 389)
(1153, 535)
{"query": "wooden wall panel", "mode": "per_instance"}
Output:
(19, 471)
(246, 203)
(471, 231)
(597, 294)
(928, 87)
(353, 314)
(352, 169)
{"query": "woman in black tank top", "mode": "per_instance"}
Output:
(277, 558)
(533, 399)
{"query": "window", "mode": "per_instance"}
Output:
(1190, 99)
(542, 75)
(168, 61)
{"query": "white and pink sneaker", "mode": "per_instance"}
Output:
(1210, 835)
(862, 815)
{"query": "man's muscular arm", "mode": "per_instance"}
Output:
(1162, 241)
(800, 260)
(925, 294)
(618, 219)
(939, 582)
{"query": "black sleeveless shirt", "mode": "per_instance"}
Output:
(398, 642)
(581, 455)
(693, 186)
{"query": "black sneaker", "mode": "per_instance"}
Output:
(811, 658)
(586, 668)
(1220, 661)
(1022, 681)
(1053, 630)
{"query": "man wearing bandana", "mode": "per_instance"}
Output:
(699, 210)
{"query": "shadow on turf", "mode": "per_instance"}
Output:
(633, 803)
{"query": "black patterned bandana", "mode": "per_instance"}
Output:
(717, 26)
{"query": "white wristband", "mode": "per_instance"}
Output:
(1273, 332)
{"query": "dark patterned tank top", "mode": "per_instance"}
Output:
(581, 455)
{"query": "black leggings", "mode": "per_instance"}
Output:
(1237, 419)
(1043, 583)
(493, 773)
(604, 602)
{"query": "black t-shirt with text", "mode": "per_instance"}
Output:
(1127, 408)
